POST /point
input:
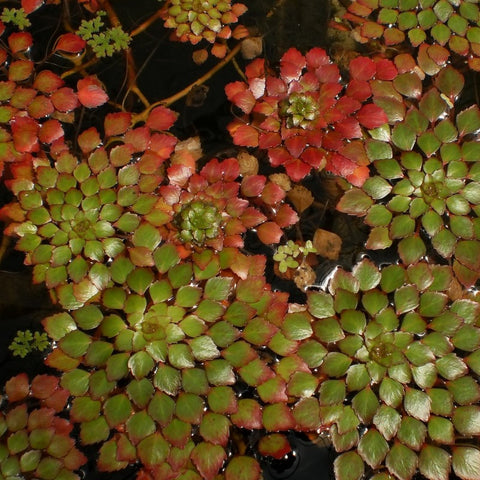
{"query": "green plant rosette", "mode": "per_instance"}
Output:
(402, 349)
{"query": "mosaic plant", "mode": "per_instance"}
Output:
(172, 348)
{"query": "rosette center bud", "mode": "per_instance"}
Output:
(299, 110)
(199, 222)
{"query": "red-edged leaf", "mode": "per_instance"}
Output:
(386, 69)
(31, 5)
(20, 70)
(47, 81)
(253, 185)
(208, 459)
(20, 41)
(50, 131)
(70, 43)
(161, 118)
(243, 135)
(362, 68)
(292, 64)
(117, 123)
(17, 388)
(90, 92)
(269, 232)
(372, 116)
(25, 134)
(240, 96)
(43, 386)
(64, 99)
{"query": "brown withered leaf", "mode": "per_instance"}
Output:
(248, 163)
(301, 198)
(282, 180)
(328, 244)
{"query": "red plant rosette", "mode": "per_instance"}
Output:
(304, 117)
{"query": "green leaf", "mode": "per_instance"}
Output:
(417, 404)
(189, 408)
(434, 463)
(335, 364)
(391, 392)
(406, 299)
(59, 325)
(465, 390)
(365, 405)
(412, 433)
(75, 343)
(153, 450)
(218, 288)
(94, 431)
(355, 202)
(466, 463)
(349, 466)
(208, 459)
(242, 468)
(373, 448)
(403, 137)
(387, 420)
(440, 430)
(320, 304)
(117, 410)
(139, 426)
(411, 249)
(468, 121)
(401, 462)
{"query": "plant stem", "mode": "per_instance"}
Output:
(141, 117)
(143, 26)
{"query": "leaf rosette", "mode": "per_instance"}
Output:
(304, 117)
(75, 217)
(431, 25)
(181, 349)
(36, 442)
(210, 20)
(401, 368)
(216, 206)
(426, 182)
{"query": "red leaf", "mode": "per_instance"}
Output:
(340, 165)
(25, 132)
(251, 217)
(317, 57)
(362, 68)
(255, 69)
(349, 128)
(47, 81)
(269, 139)
(286, 216)
(243, 135)
(238, 94)
(297, 169)
(65, 99)
(50, 131)
(90, 92)
(253, 185)
(386, 69)
(405, 62)
(31, 5)
(117, 123)
(314, 157)
(161, 118)
(269, 232)
(359, 90)
(329, 73)
(138, 138)
(88, 140)
(295, 145)
(273, 193)
(162, 144)
(17, 388)
(291, 65)
(372, 116)
(20, 41)
(69, 43)
(43, 386)
(359, 175)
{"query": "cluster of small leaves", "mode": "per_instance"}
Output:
(35, 104)
(430, 25)
(305, 118)
(216, 206)
(401, 393)
(180, 343)
(426, 181)
(74, 216)
(287, 255)
(16, 17)
(35, 442)
(26, 342)
(103, 43)
(210, 20)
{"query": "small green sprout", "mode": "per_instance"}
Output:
(27, 342)
(286, 254)
(16, 16)
(104, 43)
